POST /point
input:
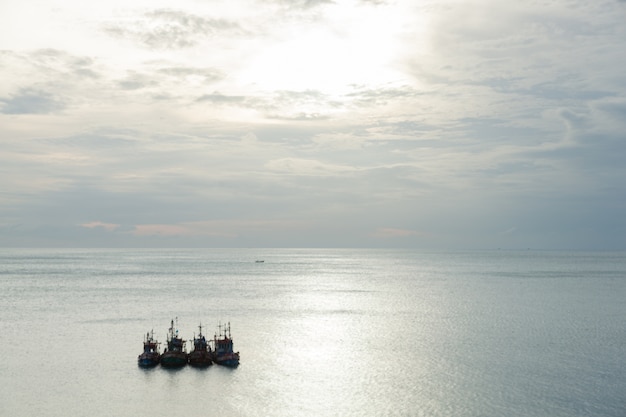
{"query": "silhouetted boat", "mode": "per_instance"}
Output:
(174, 355)
(201, 354)
(150, 356)
(223, 353)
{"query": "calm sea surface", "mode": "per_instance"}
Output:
(320, 332)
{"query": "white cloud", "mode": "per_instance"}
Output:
(313, 121)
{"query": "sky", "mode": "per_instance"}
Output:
(425, 124)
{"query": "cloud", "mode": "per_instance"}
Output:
(176, 230)
(49, 64)
(219, 98)
(279, 105)
(46, 81)
(302, 116)
(97, 224)
(381, 96)
(375, 2)
(169, 29)
(303, 4)
(509, 231)
(225, 228)
(31, 101)
(136, 82)
(205, 75)
(390, 233)
(315, 122)
(298, 166)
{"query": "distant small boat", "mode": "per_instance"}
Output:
(201, 354)
(223, 353)
(150, 356)
(174, 355)
(259, 261)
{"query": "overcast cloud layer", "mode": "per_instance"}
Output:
(430, 124)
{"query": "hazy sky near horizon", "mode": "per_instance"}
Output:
(308, 123)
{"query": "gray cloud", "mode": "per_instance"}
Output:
(219, 98)
(207, 75)
(159, 79)
(45, 80)
(382, 95)
(170, 29)
(283, 105)
(303, 4)
(31, 101)
(136, 81)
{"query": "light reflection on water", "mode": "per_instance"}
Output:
(324, 332)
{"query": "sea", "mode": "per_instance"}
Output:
(321, 332)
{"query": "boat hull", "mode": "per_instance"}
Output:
(173, 360)
(230, 360)
(200, 359)
(148, 361)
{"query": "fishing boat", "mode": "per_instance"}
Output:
(150, 356)
(174, 355)
(201, 355)
(223, 353)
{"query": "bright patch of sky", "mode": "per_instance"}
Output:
(427, 124)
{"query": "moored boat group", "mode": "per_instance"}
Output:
(202, 355)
